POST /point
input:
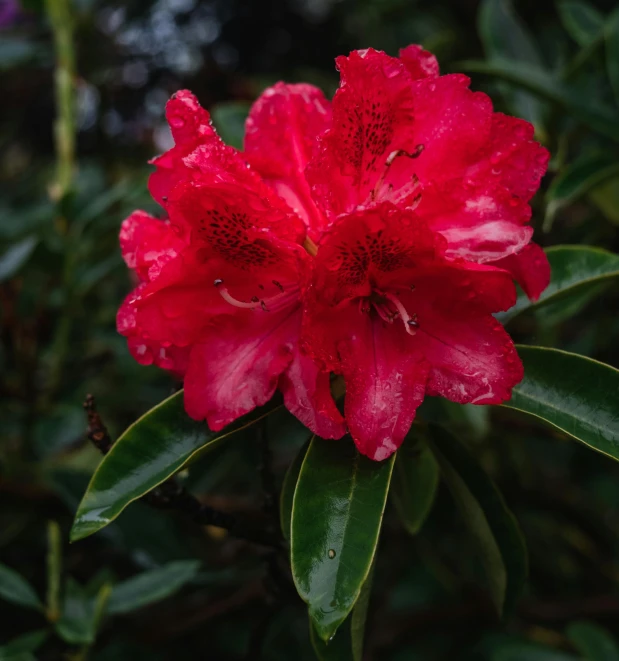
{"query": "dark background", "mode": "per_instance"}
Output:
(59, 296)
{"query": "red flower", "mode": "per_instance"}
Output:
(384, 230)
(222, 283)
(426, 194)
(404, 134)
(399, 319)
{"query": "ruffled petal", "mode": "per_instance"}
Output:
(145, 350)
(530, 268)
(238, 365)
(385, 383)
(479, 225)
(307, 395)
(370, 248)
(147, 244)
(473, 360)
(280, 138)
(372, 117)
(225, 197)
(191, 127)
(511, 157)
(419, 62)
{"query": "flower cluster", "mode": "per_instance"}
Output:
(373, 237)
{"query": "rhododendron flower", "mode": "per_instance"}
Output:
(220, 297)
(373, 238)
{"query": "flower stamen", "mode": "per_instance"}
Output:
(255, 302)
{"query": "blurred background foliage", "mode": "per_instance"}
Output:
(156, 586)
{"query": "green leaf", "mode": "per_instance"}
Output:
(573, 393)
(16, 256)
(23, 646)
(578, 179)
(77, 625)
(229, 119)
(347, 644)
(151, 586)
(602, 119)
(287, 492)
(492, 525)
(574, 269)
(593, 641)
(611, 35)
(150, 451)
(505, 37)
(582, 21)
(337, 512)
(16, 589)
(414, 482)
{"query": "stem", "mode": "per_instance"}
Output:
(54, 569)
(59, 13)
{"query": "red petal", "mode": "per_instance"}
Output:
(233, 221)
(479, 225)
(511, 157)
(385, 383)
(238, 366)
(372, 117)
(280, 138)
(419, 62)
(307, 395)
(473, 359)
(371, 248)
(191, 127)
(530, 268)
(147, 244)
(451, 122)
(146, 351)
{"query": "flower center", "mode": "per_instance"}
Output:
(272, 303)
(410, 190)
(389, 308)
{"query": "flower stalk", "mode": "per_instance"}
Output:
(59, 12)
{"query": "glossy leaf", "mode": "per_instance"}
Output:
(337, 513)
(16, 256)
(151, 450)
(347, 644)
(579, 178)
(17, 590)
(602, 119)
(229, 120)
(592, 641)
(151, 586)
(287, 491)
(573, 393)
(492, 525)
(611, 34)
(414, 482)
(581, 21)
(505, 37)
(575, 270)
